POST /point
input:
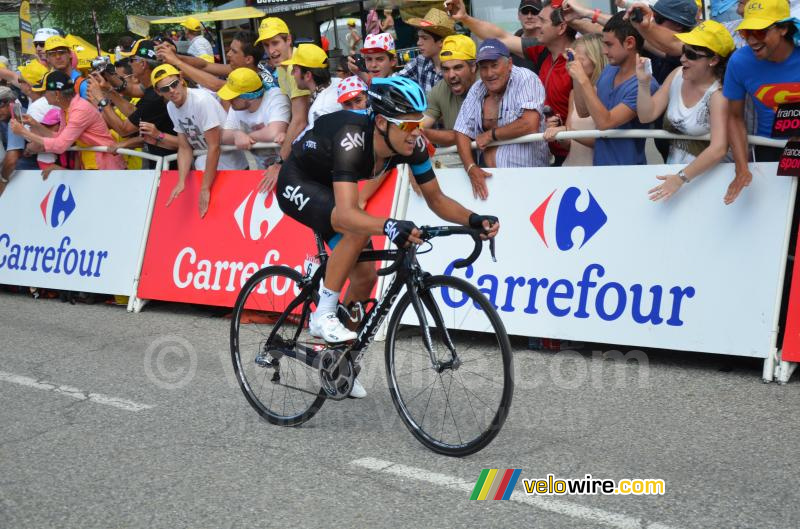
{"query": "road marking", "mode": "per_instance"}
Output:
(75, 393)
(565, 508)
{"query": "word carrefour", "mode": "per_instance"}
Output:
(57, 260)
(563, 296)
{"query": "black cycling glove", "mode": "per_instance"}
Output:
(398, 231)
(476, 221)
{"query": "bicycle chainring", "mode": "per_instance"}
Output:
(336, 383)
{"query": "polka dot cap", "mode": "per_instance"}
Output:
(349, 88)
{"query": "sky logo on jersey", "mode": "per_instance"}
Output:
(569, 217)
(256, 210)
(57, 205)
(351, 141)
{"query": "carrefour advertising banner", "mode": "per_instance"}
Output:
(77, 230)
(207, 260)
(583, 254)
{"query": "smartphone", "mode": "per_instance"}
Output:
(17, 110)
(637, 15)
(570, 56)
(648, 66)
(361, 63)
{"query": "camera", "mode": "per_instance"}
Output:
(103, 65)
(637, 15)
(361, 63)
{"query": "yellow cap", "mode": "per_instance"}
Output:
(351, 21)
(55, 42)
(160, 72)
(760, 14)
(270, 27)
(240, 81)
(33, 72)
(458, 47)
(309, 56)
(710, 34)
(192, 24)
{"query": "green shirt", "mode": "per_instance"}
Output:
(443, 105)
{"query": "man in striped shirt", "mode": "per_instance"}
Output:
(505, 103)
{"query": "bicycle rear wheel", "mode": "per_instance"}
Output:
(456, 410)
(264, 339)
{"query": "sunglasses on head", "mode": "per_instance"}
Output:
(528, 11)
(166, 89)
(758, 34)
(405, 125)
(692, 55)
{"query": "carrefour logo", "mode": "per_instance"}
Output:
(568, 217)
(256, 210)
(57, 205)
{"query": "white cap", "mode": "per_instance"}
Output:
(42, 34)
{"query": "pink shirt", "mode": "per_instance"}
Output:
(85, 125)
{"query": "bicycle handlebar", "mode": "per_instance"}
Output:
(430, 232)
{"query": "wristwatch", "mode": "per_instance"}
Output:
(103, 103)
(682, 176)
(159, 137)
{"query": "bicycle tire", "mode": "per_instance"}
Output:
(405, 346)
(261, 313)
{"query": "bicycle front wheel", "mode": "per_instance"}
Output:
(265, 335)
(456, 400)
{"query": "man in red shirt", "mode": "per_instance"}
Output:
(548, 54)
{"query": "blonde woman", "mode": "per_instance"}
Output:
(588, 53)
(694, 104)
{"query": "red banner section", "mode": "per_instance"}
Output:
(791, 334)
(206, 261)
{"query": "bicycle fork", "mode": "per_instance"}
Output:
(421, 296)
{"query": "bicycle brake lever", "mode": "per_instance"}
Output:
(491, 246)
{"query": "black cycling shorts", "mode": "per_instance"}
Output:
(306, 201)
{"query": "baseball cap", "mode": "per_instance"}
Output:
(270, 27)
(160, 72)
(377, 43)
(308, 56)
(57, 80)
(492, 49)
(145, 49)
(192, 24)
(56, 41)
(349, 88)
(42, 34)
(351, 21)
(683, 12)
(712, 35)
(535, 4)
(240, 81)
(760, 14)
(33, 72)
(458, 47)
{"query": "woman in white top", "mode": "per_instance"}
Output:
(589, 54)
(694, 104)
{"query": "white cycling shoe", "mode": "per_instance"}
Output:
(329, 328)
(358, 391)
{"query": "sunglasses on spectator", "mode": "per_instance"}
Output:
(692, 55)
(405, 125)
(758, 34)
(528, 11)
(658, 19)
(166, 89)
(57, 53)
(38, 44)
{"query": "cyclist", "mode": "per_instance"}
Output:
(318, 187)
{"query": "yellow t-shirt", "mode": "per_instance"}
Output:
(288, 84)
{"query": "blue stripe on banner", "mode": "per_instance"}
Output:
(421, 167)
(512, 483)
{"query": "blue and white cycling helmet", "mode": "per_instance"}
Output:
(395, 96)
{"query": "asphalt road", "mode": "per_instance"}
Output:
(112, 419)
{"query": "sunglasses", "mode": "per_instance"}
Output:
(405, 125)
(692, 55)
(658, 19)
(38, 44)
(528, 11)
(166, 89)
(57, 53)
(758, 34)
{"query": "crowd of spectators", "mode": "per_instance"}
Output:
(567, 68)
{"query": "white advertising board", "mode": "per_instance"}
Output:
(583, 254)
(77, 230)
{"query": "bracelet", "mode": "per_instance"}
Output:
(595, 15)
(494, 134)
(121, 88)
(682, 176)
(159, 137)
(470, 166)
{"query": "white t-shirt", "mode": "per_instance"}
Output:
(200, 46)
(37, 110)
(274, 107)
(324, 103)
(199, 113)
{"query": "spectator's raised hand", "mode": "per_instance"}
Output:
(166, 53)
(574, 10)
(100, 81)
(672, 183)
(477, 177)
(16, 127)
(642, 73)
(456, 9)
(177, 190)
(575, 70)
(94, 92)
(205, 199)
(740, 181)
(647, 15)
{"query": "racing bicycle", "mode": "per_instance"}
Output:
(452, 386)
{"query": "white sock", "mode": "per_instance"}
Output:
(328, 300)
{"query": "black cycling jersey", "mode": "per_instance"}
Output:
(339, 149)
